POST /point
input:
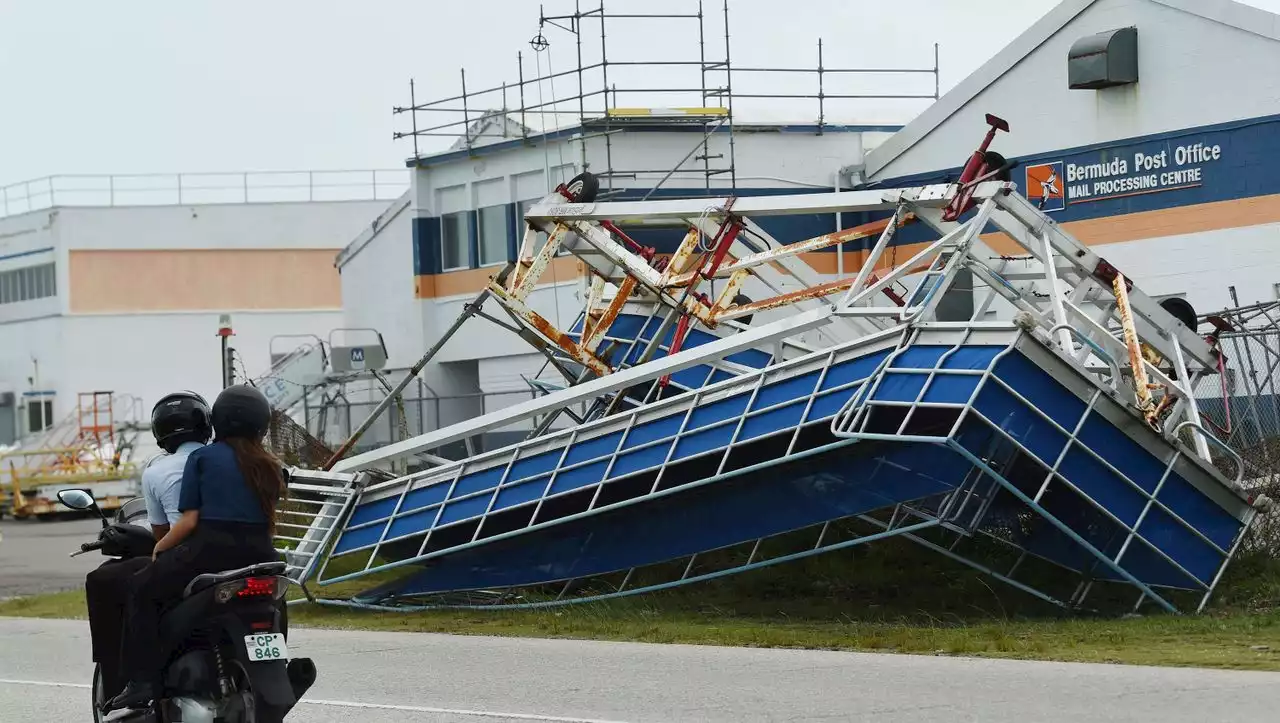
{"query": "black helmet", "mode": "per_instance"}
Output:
(241, 411)
(181, 417)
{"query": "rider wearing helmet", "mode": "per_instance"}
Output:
(227, 502)
(181, 423)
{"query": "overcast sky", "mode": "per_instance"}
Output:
(140, 86)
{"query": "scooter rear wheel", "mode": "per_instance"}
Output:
(95, 694)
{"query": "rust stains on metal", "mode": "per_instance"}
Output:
(731, 290)
(813, 292)
(681, 259)
(541, 260)
(591, 340)
(866, 230)
(549, 331)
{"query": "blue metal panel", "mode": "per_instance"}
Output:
(1199, 511)
(776, 420)
(535, 466)
(1126, 455)
(951, 389)
(423, 497)
(728, 408)
(972, 357)
(919, 356)
(579, 477)
(478, 481)
(899, 387)
(593, 448)
(754, 504)
(691, 444)
(514, 495)
(370, 511)
(1102, 485)
(1179, 544)
(851, 371)
(650, 431)
(794, 388)
(1041, 389)
(1020, 422)
(464, 509)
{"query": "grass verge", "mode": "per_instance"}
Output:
(884, 600)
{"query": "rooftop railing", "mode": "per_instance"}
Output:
(169, 189)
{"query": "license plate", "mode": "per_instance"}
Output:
(266, 647)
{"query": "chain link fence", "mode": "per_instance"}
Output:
(1241, 407)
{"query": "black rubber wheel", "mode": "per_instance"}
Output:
(991, 160)
(583, 188)
(743, 300)
(1181, 310)
(95, 694)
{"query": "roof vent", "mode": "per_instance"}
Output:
(1104, 60)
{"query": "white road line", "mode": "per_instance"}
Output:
(453, 711)
(376, 706)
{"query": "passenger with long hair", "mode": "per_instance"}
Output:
(227, 502)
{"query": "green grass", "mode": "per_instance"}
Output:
(888, 598)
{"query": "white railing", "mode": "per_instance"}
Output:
(156, 189)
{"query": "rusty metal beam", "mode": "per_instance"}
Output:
(592, 339)
(817, 292)
(548, 330)
(529, 280)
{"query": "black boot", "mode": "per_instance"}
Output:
(134, 695)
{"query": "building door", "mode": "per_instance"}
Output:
(8, 418)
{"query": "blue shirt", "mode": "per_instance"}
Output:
(212, 484)
(161, 482)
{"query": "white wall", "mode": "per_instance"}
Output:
(330, 224)
(149, 355)
(31, 239)
(378, 286)
(1202, 265)
(1193, 72)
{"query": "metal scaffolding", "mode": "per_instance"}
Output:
(596, 105)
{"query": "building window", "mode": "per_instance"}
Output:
(39, 415)
(27, 284)
(493, 235)
(455, 242)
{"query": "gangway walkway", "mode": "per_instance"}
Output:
(1068, 433)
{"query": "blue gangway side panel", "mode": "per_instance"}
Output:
(776, 408)
(844, 480)
(1104, 466)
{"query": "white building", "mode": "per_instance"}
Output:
(1169, 173)
(1162, 155)
(460, 224)
(103, 290)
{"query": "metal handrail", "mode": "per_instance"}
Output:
(1098, 351)
(205, 187)
(1217, 442)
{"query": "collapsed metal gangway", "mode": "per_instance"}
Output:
(1056, 423)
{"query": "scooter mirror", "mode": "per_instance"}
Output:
(76, 499)
(79, 499)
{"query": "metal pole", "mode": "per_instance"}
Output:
(466, 115)
(468, 311)
(413, 118)
(524, 128)
(728, 89)
(821, 108)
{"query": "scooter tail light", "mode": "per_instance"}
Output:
(252, 588)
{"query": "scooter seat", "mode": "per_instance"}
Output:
(208, 580)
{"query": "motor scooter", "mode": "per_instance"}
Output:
(225, 638)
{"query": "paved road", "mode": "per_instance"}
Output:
(401, 677)
(33, 555)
